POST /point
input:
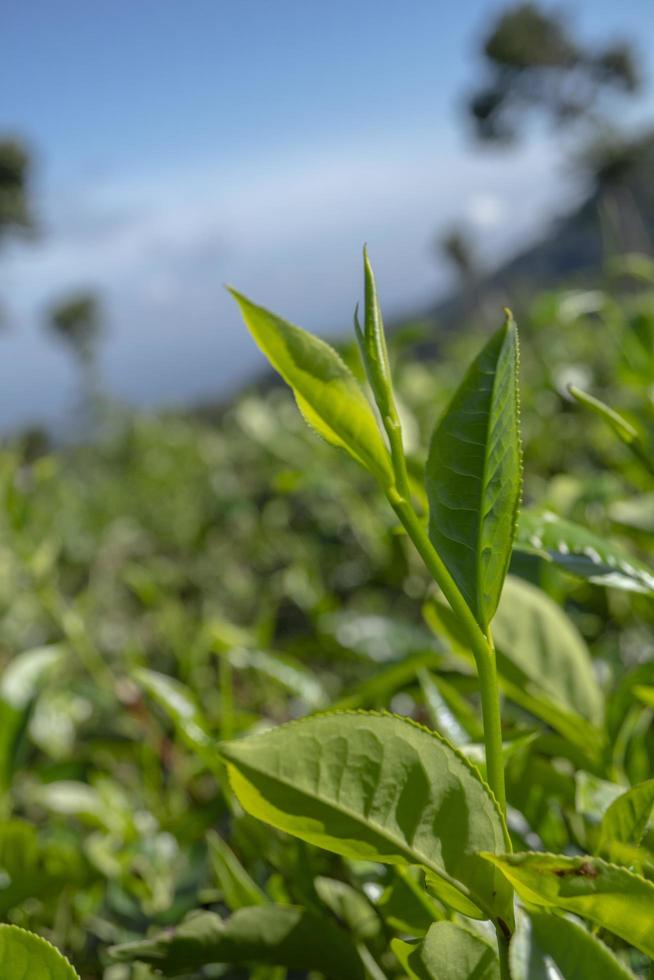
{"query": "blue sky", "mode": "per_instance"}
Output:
(260, 142)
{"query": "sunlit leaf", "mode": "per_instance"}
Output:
(547, 946)
(376, 787)
(25, 956)
(582, 553)
(327, 393)
(473, 475)
(609, 896)
(448, 951)
(273, 934)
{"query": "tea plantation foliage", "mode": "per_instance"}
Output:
(185, 582)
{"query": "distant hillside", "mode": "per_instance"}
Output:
(617, 217)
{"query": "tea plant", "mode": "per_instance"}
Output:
(180, 589)
(377, 787)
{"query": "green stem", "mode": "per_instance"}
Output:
(481, 646)
(503, 952)
(394, 433)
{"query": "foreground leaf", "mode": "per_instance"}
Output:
(448, 952)
(609, 896)
(26, 956)
(626, 819)
(544, 942)
(327, 393)
(272, 934)
(582, 553)
(473, 475)
(377, 787)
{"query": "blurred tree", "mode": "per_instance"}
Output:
(77, 322)
(535, 63)
(15, 212)
(457, 246)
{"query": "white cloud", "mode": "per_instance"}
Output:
(286, 228)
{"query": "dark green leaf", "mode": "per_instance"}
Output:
(473, 475)
(274, 934)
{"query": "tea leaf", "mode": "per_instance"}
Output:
(274, 934)
(350, 906)
(372, 343)
(544, 941)
(238, 888)
(179, 704)
(327, 393)
(611, 897)
(623, 429)
(582, 553)
(376, 787)
(534, 633)
(626, 819)
(521, 688)
(448, 950)
(25, 955)
(473, 475)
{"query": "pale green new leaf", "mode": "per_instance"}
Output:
(26, 956)
(372, 343)
(534, 633)
(448, 952)
(473, 475)
(327, 393)
(544, 942)
(279, 935)
(582, 553)
(609, 896)
(626, 819)
(377, 787)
